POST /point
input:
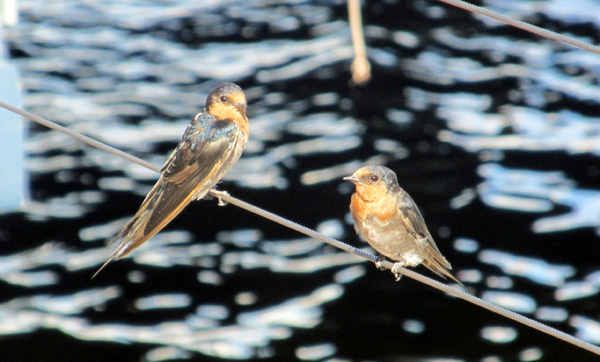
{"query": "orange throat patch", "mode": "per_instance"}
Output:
(369, 201)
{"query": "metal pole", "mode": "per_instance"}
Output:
(13, 180)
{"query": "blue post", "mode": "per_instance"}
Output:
(14, 185)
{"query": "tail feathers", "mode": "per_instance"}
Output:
(435, 262)
(129, 238)
(102, 267)
(436, 268)
(156, 212)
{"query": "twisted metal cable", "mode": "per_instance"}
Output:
(523, 25)
(499, 310)
(78, 136)
(336, 243)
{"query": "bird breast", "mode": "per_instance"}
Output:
(383, 228)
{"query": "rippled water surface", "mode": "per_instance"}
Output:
(494, 132)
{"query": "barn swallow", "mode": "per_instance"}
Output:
(211, 144)
(389, 220)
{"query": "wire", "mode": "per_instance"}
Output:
(361, 69)
(523, 25)
(223, 196)
(421, 278)
(499, 310)
(338, 244)
(78, 136)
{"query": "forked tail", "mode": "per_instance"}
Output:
(436, 262)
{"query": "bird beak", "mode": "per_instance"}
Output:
(241, 107)
(351, 179)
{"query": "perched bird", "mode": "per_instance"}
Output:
(388, 219)
(211, 144)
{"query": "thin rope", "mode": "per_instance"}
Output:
(497, 309)
(418, 277)
(523, 25)
(295, 226)
(361, 69)
(336, 243)
(78, 136)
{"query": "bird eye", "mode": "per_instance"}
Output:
(223, 99)
(374, 178)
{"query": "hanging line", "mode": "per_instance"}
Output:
(338, 244)
(523, 25)
(312, 233)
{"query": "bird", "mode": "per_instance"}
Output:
(389, 220)
(211, 144)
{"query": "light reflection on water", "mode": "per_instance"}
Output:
(499, 334)
(533, 130)
(199, 332)
(587, 329)
(539, 192)
(514, 301)
(120, 80)
(537, 270)
(575, 290)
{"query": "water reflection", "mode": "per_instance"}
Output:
(551, 314)
(514, 301)
(162, 301)
(575, 290)
(536, 191)
(537, 270)
(316, 352)
(499, 334)
(587, 329)
(452, 113)
(201, 331)
(533, 129)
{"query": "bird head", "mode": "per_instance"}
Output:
(227, 101)
(374, 177)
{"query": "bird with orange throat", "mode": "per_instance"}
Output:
(210, 146)
(389, 220)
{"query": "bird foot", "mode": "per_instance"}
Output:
(380, 259)
(219, 195)
(396, 270)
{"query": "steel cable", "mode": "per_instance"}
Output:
(314, 234)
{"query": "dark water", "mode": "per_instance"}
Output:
(494, 132)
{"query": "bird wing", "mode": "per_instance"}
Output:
(411, 217)
(202, 157)
(415, 224)
(205, 153)
(195, 167)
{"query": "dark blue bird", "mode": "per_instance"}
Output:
(211, 144)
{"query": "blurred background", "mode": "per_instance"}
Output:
(494, 132)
